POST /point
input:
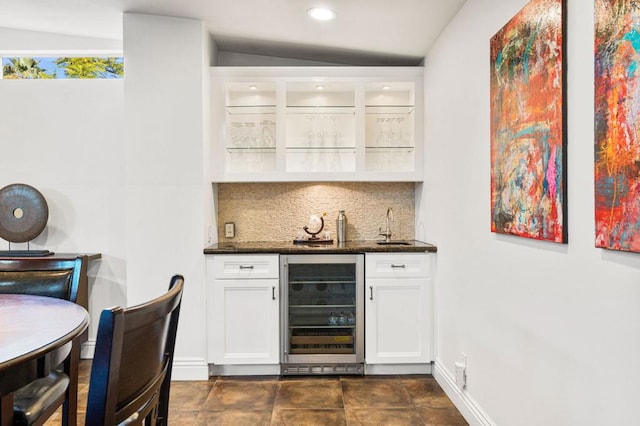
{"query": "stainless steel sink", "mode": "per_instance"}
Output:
(393, 243)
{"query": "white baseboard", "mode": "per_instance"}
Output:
(467, 406)
(88, 349)
(397, 369)
(194, 369)
(245, 370)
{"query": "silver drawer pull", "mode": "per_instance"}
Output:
(397, 266)
(246, 266)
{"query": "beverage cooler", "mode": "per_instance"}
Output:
(322, 314)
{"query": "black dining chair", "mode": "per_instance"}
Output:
(131, 370)
(51, 277)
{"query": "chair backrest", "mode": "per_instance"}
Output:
(51, 277)
(131, 369)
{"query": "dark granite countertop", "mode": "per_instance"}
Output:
(288, 247)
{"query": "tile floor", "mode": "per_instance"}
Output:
(325, 401)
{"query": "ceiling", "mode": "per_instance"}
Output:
(369, 32)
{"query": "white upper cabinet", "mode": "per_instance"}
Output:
(316, 124)
(320, 127)
(249, 137)
(390, 126)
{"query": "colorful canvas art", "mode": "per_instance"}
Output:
(528, 158)
(617, 124)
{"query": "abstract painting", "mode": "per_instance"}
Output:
(617, 124)
(528, 138)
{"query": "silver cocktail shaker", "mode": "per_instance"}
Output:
(341, 227)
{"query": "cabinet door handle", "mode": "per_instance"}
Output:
(246, 266)
(370, 292)
(273, 293)
(397, 266)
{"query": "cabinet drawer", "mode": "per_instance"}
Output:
(245, 266)
(397, 265)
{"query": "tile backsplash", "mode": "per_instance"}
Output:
(278, 211)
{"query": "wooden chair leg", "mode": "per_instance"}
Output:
(6, 410)
(70, 406)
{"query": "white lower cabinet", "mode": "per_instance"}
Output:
(243, 309)
(243, 319)
(398, 308)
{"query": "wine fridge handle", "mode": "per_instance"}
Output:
(273, 292)
(370, 292)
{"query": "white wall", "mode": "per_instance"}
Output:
(168, 193)
(132, 186)
(64, 137)
(551, 331)
(13, 41)
(226, 58)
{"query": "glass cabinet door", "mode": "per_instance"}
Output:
(250, 132)
(320, 127)
(322, 308)
(390, 127)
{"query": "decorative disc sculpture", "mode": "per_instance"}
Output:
(23, 216)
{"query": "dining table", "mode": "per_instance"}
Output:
(36, 333)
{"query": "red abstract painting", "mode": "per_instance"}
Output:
(528, 149)
(617, 124)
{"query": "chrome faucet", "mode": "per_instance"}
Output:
(387, 232)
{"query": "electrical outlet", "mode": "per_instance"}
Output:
(229, 230)
(461, 371)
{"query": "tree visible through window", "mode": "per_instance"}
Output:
(19, 68)
(62, 67)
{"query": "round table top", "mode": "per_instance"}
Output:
(31, 326)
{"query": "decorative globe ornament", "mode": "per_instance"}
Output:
(315, 226)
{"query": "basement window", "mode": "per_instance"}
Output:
(64, 67)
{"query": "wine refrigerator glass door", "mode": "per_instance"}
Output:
(322, 310)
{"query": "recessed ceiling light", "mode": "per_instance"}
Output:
(253, 87)
(386, 87)
(319, 87)
(321, 13)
